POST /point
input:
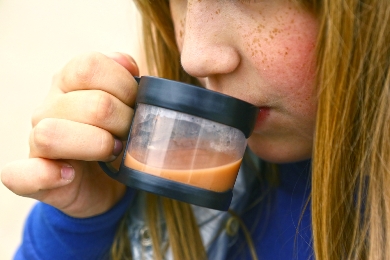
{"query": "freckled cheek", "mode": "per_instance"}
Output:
(297, 82)
(286, 64)
(287, 69)
(287, 60)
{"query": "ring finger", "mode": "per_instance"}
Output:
(93, 107)
(55, 138)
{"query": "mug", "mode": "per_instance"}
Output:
(185, 142)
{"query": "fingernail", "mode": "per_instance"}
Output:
(67, 172)
(118, 146)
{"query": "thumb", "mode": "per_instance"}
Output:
(28, 177)
(126, 61)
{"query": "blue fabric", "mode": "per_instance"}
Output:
(279, 229)
(50, 234)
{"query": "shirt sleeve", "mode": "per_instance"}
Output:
(51, 234)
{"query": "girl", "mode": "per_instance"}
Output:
(313, 183)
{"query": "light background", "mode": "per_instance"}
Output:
(38, 37)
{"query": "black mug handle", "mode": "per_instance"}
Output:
(107, 167)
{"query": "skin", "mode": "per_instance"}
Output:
(261, 52)
(85, 115)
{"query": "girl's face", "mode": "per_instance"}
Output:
(261, 52)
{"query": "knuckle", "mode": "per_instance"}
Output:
(86, 69)
(101, 107)
(44, 135)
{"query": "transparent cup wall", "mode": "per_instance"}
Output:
(184, 148)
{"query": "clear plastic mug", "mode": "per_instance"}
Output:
(185, 142)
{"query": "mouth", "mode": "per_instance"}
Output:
(264, 112)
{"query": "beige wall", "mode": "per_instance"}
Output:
(36, 39)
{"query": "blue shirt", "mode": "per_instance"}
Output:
(281, 229)
(279, 225)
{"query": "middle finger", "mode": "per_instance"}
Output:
(93, 107)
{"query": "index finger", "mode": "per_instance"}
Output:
(99, 72)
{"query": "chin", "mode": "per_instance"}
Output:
(280, 152)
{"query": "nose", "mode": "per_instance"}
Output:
(209, 47)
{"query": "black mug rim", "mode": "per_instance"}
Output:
(198, 101)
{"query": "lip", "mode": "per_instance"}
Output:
(264, 112)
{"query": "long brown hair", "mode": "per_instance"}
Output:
(351, 156)
(351, 161)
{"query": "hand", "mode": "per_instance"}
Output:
(84, 119)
